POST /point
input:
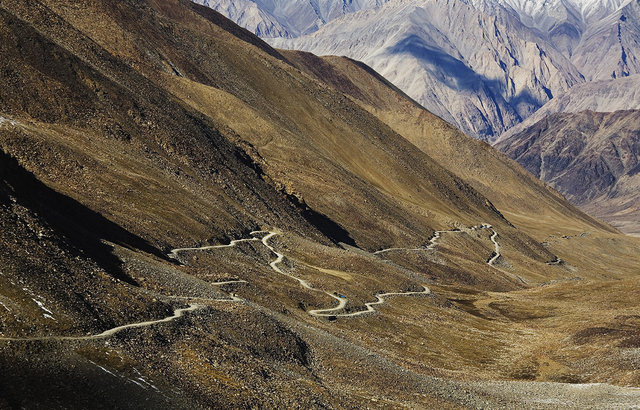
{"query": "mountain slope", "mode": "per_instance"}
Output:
(610, 47)
(194, 219)
(482, 65)
(565, 23)
(270, 19)
(484, 74)
(600, 96)
(514, 191)
(592, 158)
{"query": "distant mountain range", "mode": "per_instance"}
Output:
(286, 18)
(592, 158)
(482, 65)
(584, 143)
(599, 96)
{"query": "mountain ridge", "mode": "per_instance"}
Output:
(590, 157)
(599, 96)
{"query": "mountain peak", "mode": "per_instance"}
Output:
(286, 18)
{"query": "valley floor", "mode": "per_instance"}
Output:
(574, 340)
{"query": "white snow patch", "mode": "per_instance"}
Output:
(114, 375)
(143, 380)
(4, 120)
(49, 314)
(138, 383)
(41, 305)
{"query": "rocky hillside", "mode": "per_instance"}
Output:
(599, 96)
(483, 72)
(591, 158)
(508, 186)
(482, 65)
(190, 218)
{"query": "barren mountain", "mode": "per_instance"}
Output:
(592, 158)
(504, 183)
(483, 72)
(190, 218)
(610, 46)
(600, 96)
(482, 65)
(569, 24)
(286, 18)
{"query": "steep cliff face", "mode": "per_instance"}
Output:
(610, 47)
(592, 158)
(563, 22)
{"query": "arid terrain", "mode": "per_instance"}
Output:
(590, 157)
(190, 218)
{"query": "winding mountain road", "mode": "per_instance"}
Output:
(342, 301)
(369, 305)
(495, 255)
(496, 252)
(177, 313)
(174, 253)
(328, 312)
(433, 242)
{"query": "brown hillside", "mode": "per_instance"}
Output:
(192, 219)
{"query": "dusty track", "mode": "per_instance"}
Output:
(433, 242)
(496, 253)
(174, 253)
(177, 313)
(328, 312)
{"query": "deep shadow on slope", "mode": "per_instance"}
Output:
(57, 379)
(329, 228)
(86, 86)
(84, 228)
